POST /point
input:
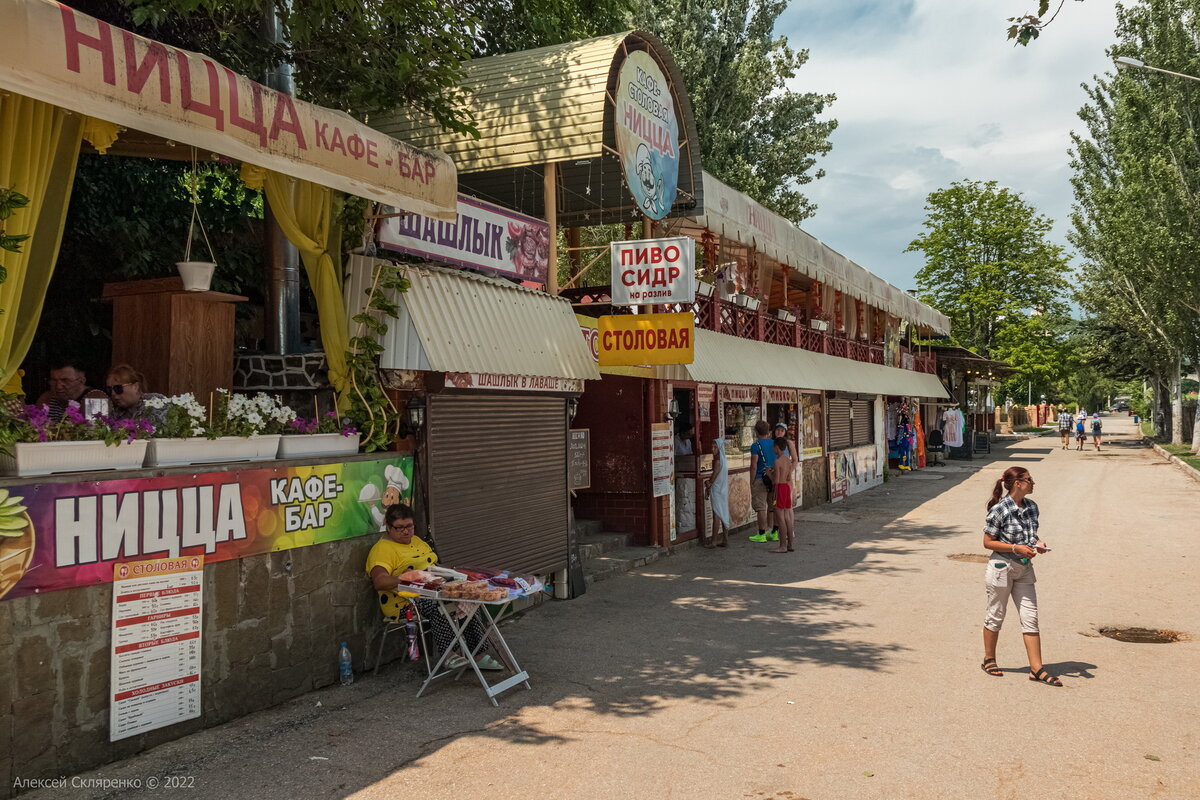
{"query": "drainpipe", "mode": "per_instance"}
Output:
(281, 259)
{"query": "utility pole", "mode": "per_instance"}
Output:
(281, 259)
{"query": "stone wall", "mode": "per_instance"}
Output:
(272, 627)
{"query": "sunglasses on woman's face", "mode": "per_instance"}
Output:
(117, 388)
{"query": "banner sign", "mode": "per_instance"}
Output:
(512, 383)
(485, 237)
(63, 57)
(155, 658)
(653, 271)
(740, 394)
(647, 134)
(662, 460)
(589, 327)
(631, 339)
(76, 532)
(783, 396)
(706, 393)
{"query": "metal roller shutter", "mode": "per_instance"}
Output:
(864, 422)
(837, 416)
(498, 481)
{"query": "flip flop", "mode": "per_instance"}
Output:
(994, 670)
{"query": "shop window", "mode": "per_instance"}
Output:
(851, 423)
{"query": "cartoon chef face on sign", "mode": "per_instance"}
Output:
(651, 182)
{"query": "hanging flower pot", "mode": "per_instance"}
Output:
(197, 275)
(704, 289)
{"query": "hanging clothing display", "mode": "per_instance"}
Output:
(902, 439)
(952, 427)
(919, 435)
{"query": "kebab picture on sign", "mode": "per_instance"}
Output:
(16, 541)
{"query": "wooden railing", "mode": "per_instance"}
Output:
(713, 314)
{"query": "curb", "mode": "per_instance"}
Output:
(1187, 469)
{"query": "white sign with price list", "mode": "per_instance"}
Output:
(156, 644)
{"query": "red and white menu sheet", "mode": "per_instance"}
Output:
(156, 644)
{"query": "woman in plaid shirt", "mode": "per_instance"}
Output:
(1011, 534)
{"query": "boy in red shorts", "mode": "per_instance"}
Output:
(784, 516)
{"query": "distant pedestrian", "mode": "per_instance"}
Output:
(1097, 430)
(762, 459)
(1064, 428)
(1010, 532)
(1080, 434)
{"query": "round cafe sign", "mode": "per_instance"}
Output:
(647, 134)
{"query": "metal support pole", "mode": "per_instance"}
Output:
(282, 259)
(550, 193)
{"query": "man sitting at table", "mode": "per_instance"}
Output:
(398, 551)
(68, 384)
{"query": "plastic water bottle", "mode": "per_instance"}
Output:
(410, 628)
(345, 668)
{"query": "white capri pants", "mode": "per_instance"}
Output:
(1005, 578)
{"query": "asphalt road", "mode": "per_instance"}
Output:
(847, 670)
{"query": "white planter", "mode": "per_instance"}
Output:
(784, 315)
(300, 445)
(819, 324)
(197, 275)
(704, 289)
(751, 304)
(178, 452)
(740, 300)
(45, 458)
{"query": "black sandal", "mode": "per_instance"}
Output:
(1041, 676)
(994, 670)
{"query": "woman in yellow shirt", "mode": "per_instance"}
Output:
(398, 551)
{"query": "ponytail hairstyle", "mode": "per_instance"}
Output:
(1005, 483)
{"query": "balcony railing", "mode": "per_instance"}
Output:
(756, 325)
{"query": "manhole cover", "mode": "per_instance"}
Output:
(974, 558)
(1142, 635)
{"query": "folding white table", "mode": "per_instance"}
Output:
(458, 626)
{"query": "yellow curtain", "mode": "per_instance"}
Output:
(304, 212)
(39, 149)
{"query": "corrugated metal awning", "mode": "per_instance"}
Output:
(453, 321)
(736, 216)
(721, 358)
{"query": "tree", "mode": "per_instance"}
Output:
(756, 134)
(1137, 185)
(359, 56)
(990, 269)
(1027, 27)
(509, 26)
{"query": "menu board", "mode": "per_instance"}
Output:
(662, 460)
(579, 458)
(155, 661)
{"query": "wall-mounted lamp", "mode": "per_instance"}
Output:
(673, 409)
(572, 408)
(414, 416)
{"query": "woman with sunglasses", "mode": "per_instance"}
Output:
(1011, 534)
(126, 389)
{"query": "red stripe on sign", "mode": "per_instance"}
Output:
(183, 612)
(183, 637)
(158, 687)
(125, 598)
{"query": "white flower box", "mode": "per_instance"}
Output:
(300, 445)
(740, 300)
(751, 303)
(704, 289)
(178, 452)
(785, 315)
(819, 324)
(45, 458)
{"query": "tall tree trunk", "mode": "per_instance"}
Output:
(1177, 402)
(1196, 415)
(1156, 415)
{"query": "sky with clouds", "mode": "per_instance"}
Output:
(929, 92)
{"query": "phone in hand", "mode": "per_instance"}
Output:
(1041, 548)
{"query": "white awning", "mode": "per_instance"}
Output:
(736, 216)
(60, 56)
(458, 322)
(721, 358)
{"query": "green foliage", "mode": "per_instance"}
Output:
(10, 200)
(508, 26)
(756, 134)
(355, 55)
(371, 410)
(1027, 27)
(991, 269)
